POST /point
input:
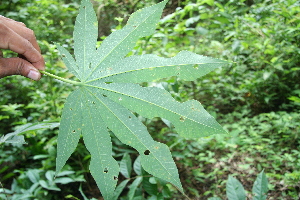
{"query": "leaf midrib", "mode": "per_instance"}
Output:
(143, 100)
(97, 144)
(128, 128)
(113, 114)
(148, 68)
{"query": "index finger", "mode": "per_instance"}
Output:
(9, 39)
(21, 29)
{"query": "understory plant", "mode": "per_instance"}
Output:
(108, 98)
(236, 191)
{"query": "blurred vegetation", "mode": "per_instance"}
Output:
(257, 99)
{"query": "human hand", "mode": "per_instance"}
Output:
(20, 39)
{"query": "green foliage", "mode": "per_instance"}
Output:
(54, 16)
(260, 187)
(251, 34)
(15, 136)
(236, 191)
(25, 102)
(37, 101)
(107, 84)
(32, 185)
(262, 39)
(268, 141)
(143, 185)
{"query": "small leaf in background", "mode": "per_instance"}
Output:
(134, 186)
(137, 167)
(150, 188)
(83, 195)
(266, 75)
(63, 180)
(12, 138)
(260, 187)
(234, 189)
(36, 126)
(120, 188)
(49, 185)
(49, 175)
(33, 175)
(126, 165)
(64, 173)
(15, 138)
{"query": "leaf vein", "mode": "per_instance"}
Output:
(151, 103)
(129, 34)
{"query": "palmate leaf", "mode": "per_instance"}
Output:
(108, 92)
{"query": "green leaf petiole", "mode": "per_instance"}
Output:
(62, 79)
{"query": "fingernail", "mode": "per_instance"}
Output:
(34, 75)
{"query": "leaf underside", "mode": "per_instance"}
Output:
(234, 189)
(108, 93)
(260, 187)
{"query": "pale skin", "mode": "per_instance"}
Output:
(16, 37)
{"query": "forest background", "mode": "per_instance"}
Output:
(256, 99)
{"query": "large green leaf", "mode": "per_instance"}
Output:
(234, 189)
(260, 187)
(107, 93)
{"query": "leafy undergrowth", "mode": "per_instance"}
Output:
(268, 141)
(262, 38)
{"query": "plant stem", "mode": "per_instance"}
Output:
(60, 78)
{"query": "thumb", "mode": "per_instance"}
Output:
(18, 66)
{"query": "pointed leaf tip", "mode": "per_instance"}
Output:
(118, 44)
(136, 69)
(104, 168)
(85, 37)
